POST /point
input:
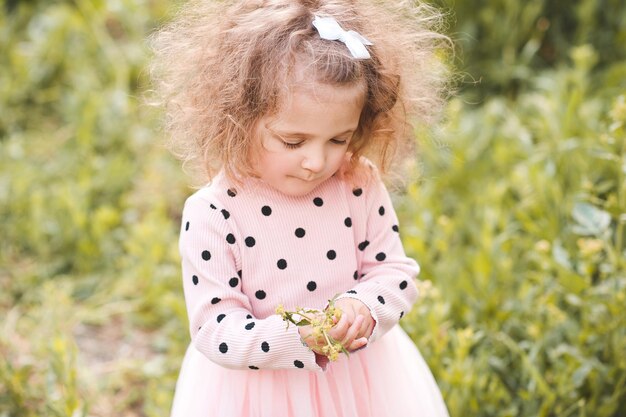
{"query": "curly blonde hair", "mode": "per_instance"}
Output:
(220, 66)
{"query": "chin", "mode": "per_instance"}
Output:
(295, 187)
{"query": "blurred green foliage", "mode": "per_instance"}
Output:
(503, 43)
(518, 217)
(519, 220)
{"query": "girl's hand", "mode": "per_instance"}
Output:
(352, 330)
(313, 341)
(355, 326)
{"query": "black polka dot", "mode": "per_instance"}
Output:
(260, 294)
(250, 242)
(265, 347)
(331, 254)
(213, 207)
(381, 299)
(403, 285)
(357, 192)
(381, 210)
(186, 226)
(351, 292)
(215, 300)
(250, 326)
(223, 347)
(348, 222)
(356, 275)
(395, 228)
(249, 316)
(233, 282)
(266, 210)
(239, 273)
(401, 314)
(225, 213)
(311, 286)
(253, 367)
(381, 256)
(300, 232)
(220, 317)
(363, 245)
(318, 202)
(195, 280)
(298, 364)
(199, 328)
(231, 192)
(206, 255)
(230, 238)
(281, 264)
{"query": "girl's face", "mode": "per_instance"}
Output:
(306, 142)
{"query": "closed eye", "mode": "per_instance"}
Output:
(339, 141)
(290, 145)
(287, 144)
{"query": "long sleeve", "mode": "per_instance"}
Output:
(222, 325)
(387, 276)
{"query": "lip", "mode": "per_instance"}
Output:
(305, 179)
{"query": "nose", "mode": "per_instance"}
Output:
(314, 160)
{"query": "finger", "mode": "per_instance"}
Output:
(357, 344)
(305, 335)
(339, 330)
(363, 329)
(352, 332)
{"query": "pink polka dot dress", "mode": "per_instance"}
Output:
(249, 248)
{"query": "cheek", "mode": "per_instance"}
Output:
(280, 162)
(338, 157)
(256, 154)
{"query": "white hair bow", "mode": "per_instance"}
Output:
(330, 30)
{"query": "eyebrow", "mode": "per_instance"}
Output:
(304, 135)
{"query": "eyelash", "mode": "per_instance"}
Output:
(289, 145)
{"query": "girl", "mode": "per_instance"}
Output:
(282, 104)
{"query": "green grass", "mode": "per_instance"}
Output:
(517, 219)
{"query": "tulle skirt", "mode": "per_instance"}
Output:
(387, 379)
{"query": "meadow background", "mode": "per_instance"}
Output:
(517, 217)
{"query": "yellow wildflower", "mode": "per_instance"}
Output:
(321, 323)
(280, 310)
